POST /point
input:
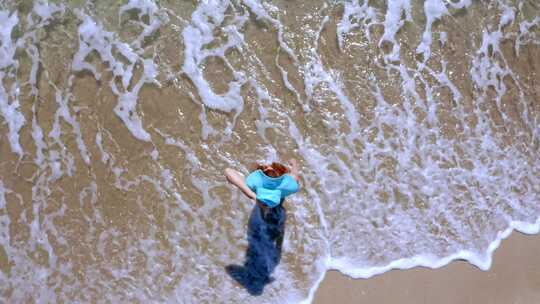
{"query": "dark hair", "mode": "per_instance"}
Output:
(276, 170)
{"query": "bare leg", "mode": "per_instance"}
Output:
(236, 178)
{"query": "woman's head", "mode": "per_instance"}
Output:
(272, 170)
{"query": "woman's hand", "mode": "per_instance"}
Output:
(294, 169)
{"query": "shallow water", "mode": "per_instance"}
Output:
(416, 125)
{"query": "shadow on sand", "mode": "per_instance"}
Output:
(265, 237)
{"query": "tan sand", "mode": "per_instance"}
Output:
(514, 278)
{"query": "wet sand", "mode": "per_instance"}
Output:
(514, 277)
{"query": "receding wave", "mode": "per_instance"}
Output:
(416, 125)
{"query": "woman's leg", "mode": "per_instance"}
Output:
(236, 178)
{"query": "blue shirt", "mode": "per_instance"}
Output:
(271, 190)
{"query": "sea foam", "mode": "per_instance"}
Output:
(408, 157)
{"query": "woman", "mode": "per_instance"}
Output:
(268, 185)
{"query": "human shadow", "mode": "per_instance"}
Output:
(265, 237)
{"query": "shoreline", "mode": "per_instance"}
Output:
(514, 277)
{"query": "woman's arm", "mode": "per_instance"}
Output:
(295, 169)
(236, 178)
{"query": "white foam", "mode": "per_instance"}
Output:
(490, 67)
(465, 210)
(526, 35)
(12, 115)
(262, 13)
(4, 233)
(156, 18)
(9, 101)
(461, 4)
(488, 72)
(443, 38)
(46, 10)
(263, 96)
(92, 37)
(483, 261)
(392, 23)
(62, 100)
(316, 74)
(8, 21)
(37, 136)
(355, 16)
(104, 155)
(507, 17)
(204, 20)
(434, 10)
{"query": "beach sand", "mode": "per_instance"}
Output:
(514, 277)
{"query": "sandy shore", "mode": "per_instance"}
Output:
(514, 277)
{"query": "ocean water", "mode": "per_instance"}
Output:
(416, 125)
